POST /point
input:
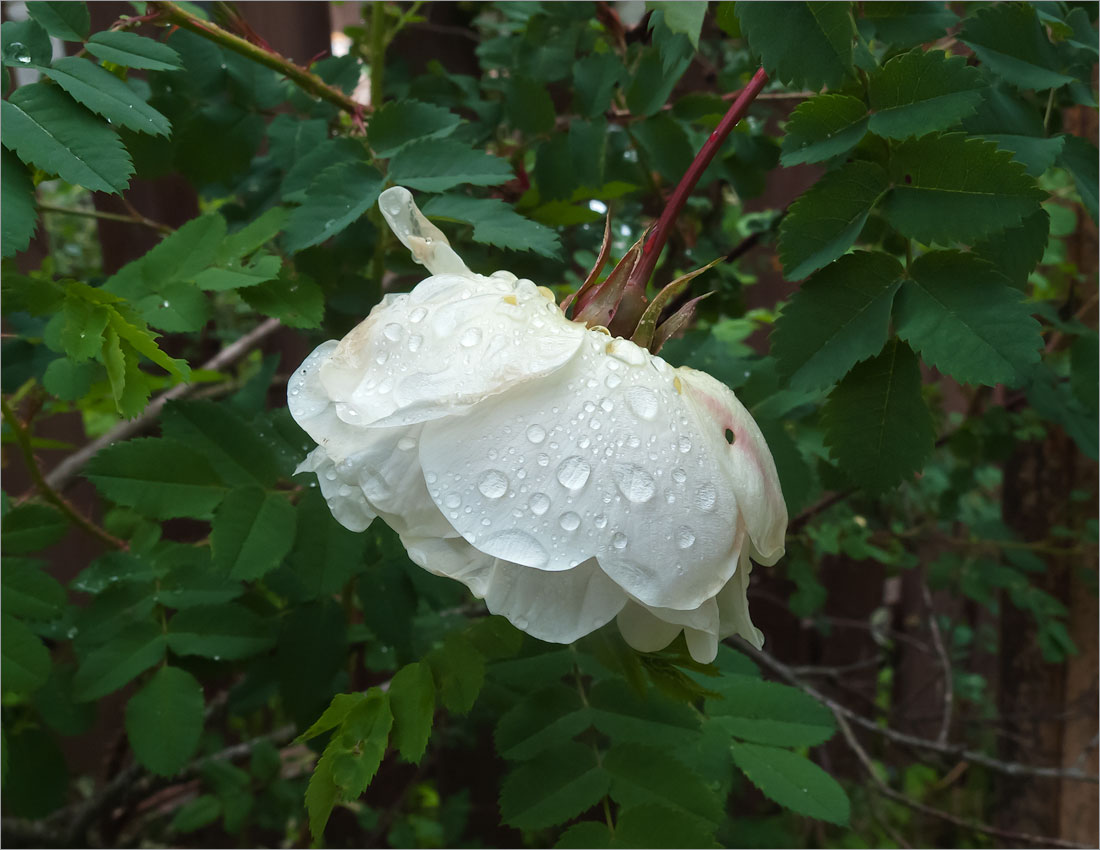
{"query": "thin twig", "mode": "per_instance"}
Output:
(310, 83)
(23, 439)
(955, 750)
(885, 790)
(945, 663)
(106, 216)
(63, 473)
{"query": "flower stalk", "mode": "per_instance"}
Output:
(634, 297)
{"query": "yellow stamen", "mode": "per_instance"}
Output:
(510, 299)
(679, 386)
(600, 329)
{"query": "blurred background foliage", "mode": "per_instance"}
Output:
(196, 654)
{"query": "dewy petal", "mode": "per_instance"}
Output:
(444, 347)
(426, 242)
(601, 459)
(733, 606)
(648, 629)
(556, 607)
(349, 506)
(748, 463)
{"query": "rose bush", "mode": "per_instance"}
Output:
(566, 477)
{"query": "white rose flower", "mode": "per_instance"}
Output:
(565, 477)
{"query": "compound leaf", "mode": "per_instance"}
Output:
(877, 426)
(919, 92)
(838, 317)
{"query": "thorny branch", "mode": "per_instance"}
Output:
(955, 750)
(885, 790)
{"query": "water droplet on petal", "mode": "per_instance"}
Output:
(573, 472)
(539, 503)
(470, 338)
(453, 500)
(679, 476)
(612, 381)
(414, 342)
(516, 546)
(406, 443)
(418, 314)
(493, 484)
(685, 537)
(569, 521)
(705, 497)
(393, 331)
(634, 482)
(600, 521)
(536, 434)
(543, 460)
(618, 540)
(684, 445)
(643, 402)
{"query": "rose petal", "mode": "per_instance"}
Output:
(349, 506)
(748, 463)
(603, 458)
(446, 346)
(733, 606)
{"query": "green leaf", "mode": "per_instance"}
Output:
(177, 257)
(965, 321)
(655, 825)
(326, 555)
(623, 714)
(495, 223)
(333, 716)
(823, 127)
(770, 713)
(557, 785)
(951, 188)
(48, 130)
(19, 218)
(529, 108)
(877, 426)
(25, 44)
(176, 307)
(412, 701)
(1017, 251)
(401, 122)
(545, 719)
(359, 746)
(838, 317)
(823, 223)
(221, 632)
(588, 835)
(30, 592)
(197, 813)
(459, 672)
(133, 51)
(643, 776)
(806, 45)
(25, 663)
(30, 527)
(1079, 158)
(64, 20)
(905, 24)
(260, 270)
(143, 341)
(321, 795)
(252, 236)
(311, 650)
(665, 144)
(226, 440)
(252, 533)
(435, 166)
(651, 82)
(1009, 40)
(683, 17)
(594, 79)
(56, 706)
(309, 165)
(105, 94)
(84, 323)
(1036, 154)
(132, 651)
(796, 783)
(163, 478)
(339, 195)
(292, 298)
(70, 381)
(919, 92)
(164, 721)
